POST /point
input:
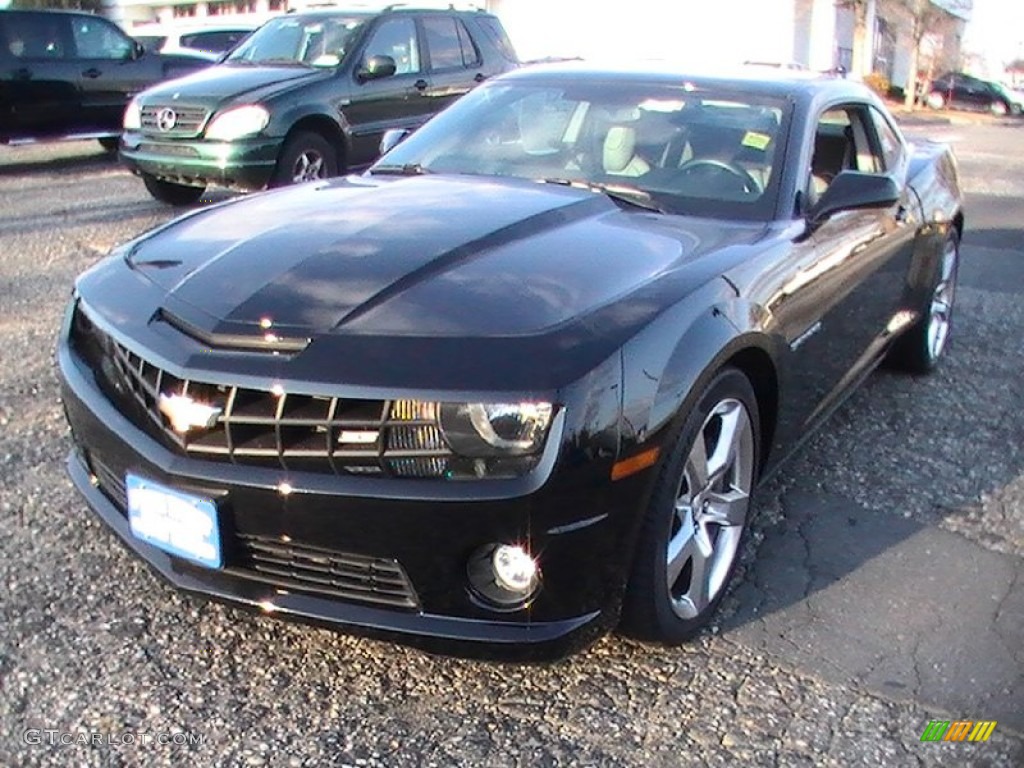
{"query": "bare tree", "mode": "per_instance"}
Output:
(919, 20)
(94, 6)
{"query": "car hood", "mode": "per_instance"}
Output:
(422, 256)
(213, 85)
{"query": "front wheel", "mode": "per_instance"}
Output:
(690, 542)
(998, 108)
(936, 100)
(171, 193)
(306, 156)
(919, 349)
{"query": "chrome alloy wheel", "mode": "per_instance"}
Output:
(309, 166)
(710, 509)
(941, 310)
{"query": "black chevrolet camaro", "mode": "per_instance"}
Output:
(515, 385)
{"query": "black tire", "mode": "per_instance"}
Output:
(999, 108)
(110, 144)
(306, 156)
(652, 609)
(171, 193)
(919, 349)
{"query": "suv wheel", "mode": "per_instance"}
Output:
(306, 156)
(171, 193)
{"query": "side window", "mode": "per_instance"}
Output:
(35, 36)
(842, 142)
(888, 141)
(470, 54)
(443, 42)
(99, 39)
(493, 29)
(396, 38)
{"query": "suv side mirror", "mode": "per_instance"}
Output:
(376, 67)
(851, 190)
(392, 138)
(138, 50)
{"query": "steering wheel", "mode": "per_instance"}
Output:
(750, 184)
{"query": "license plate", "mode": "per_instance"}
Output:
(176, 522)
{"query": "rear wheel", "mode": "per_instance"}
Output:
(306, 156)
(171, 193)
(690, 543)
(998, 108)
(919, 349)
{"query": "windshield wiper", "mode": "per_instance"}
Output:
(408, 169)
(620, 193)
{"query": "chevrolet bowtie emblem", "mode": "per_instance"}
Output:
(184, 413)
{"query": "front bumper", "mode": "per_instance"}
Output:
(432, 536)
(246, 164)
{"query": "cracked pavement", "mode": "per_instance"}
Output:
(880, 589)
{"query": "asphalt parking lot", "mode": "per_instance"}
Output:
(883, 586)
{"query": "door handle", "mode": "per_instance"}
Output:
(901, 213)
(92, 73)
(420, 85)
(479, 77)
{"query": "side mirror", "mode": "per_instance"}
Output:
(138, 50)
(392, 138)
(851, 190)
(376, 67)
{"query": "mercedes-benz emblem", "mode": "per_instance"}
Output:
(166, 119)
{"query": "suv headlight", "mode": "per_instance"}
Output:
(133, 116)
(238, 122)
(495, 429)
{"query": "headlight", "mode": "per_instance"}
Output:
(238, 122)
(133, 116)
(495, 429)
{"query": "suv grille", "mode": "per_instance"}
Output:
(187, 121)
(397, 438)
(287, 565)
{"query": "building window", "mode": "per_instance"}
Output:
(184, 11)
(245, 6)
(278, 5)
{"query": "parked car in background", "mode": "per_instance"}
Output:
(307, 96)
(66, 75)
(209, 41)
(515, 385)
(962, 91)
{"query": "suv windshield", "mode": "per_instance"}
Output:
(683, 149)
(313, 42)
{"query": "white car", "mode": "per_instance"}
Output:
(206, 41)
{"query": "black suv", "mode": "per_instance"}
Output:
(307, 96)
(70, 75)
(961, 91)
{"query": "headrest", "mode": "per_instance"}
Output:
(619, 148)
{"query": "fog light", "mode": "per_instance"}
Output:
(514, 569)
(506, 576)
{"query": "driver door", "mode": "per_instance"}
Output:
(109, 70)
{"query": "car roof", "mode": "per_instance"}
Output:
(766, 81)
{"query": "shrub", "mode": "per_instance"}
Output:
(879, 83)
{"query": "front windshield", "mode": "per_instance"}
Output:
(316, 42)
(690, 149)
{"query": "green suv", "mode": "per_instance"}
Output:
(307, 96)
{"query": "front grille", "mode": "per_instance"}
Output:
(287, 565)
(293, 431)
(153, 148)
(187, 122)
